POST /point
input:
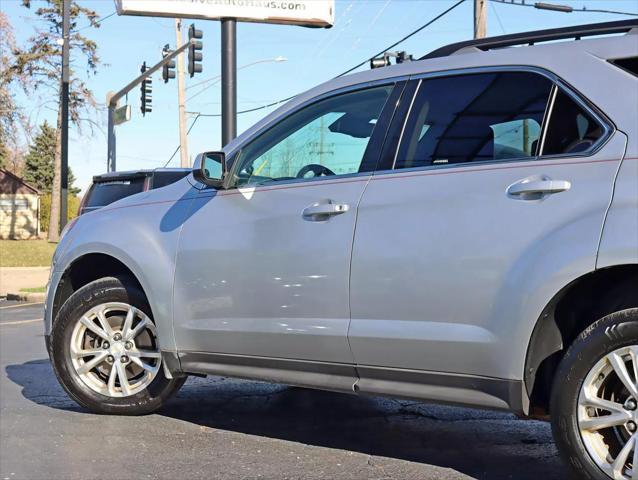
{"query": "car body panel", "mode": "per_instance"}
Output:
(145, 240)
(260, 279)
(446, 275)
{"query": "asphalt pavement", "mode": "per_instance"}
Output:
(225, 428)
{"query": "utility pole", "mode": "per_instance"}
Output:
(64, 150)
(181, 99)
(229, 80)
(480, 18)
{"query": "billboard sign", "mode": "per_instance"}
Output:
(307, 13)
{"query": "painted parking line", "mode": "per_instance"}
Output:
(18, 305)
(20, 322)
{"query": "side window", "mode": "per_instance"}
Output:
(475, 117)
(570, 129)
(326, 138)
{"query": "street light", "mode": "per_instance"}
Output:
(553, 7)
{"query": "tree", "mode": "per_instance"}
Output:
(11, 116)
(41, 61)
(38, 163)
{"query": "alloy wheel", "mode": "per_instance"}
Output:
(608, 413)
(114, 349)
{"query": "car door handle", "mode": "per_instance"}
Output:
(323, 210)
(532, 189)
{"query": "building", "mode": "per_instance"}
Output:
(19, 208)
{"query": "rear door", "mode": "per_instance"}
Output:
(484, 212)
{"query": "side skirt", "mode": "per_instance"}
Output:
(448, 388)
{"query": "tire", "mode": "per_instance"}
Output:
(588, 371)
(108, 298)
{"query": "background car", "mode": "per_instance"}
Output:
(110, 187)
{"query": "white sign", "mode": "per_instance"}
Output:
(307, 13)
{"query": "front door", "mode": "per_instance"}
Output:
(263, 267)
(495, 200)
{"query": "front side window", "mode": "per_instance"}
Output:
(324, 139)
(475, 117)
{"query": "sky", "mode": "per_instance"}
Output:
(362, 28)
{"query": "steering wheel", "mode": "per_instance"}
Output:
(315, 168)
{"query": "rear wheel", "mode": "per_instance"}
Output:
(105, 350)
(595, 400)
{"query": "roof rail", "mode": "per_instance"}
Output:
(530, 38)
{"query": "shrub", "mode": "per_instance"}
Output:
(73, 203)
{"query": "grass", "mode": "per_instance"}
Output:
(26, 253)
(33, 290)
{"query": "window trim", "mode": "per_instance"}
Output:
(608, 126)
(232, 183)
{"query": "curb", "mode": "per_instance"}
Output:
(27, 297)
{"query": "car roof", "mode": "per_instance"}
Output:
(567, 59)
(133, 174)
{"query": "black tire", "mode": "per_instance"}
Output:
(610, 333)
(109, 289)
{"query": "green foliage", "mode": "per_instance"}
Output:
(38, 163)
(73, 204)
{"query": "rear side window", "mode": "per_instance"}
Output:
(476, 117)
(105, 193)
(571, 129)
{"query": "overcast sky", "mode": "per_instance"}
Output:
(362, 27)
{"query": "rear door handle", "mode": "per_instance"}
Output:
(535, 188)
(320, 211)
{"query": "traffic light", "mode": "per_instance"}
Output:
(147, 92)
(168, 70)
(194, 50)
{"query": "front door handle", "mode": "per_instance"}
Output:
(536, 188)
(321, 211)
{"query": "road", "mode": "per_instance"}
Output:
(225, 428)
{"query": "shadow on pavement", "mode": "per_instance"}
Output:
(481, 444)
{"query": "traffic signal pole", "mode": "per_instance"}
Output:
(229, 80)
(113, 99)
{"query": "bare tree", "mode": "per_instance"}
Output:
(12, 118)
(41, 61)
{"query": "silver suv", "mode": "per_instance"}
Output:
(459, 229)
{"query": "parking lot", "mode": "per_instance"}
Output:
(225, 428)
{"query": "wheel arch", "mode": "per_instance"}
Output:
(87, 268)
(576, 306)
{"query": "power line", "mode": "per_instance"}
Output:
(278, 102)
(187, 132)
(97, 22)
(562, 8)
(414, 32)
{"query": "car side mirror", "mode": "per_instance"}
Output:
(211, 169)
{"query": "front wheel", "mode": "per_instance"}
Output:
(105, 350)
(594, 403)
